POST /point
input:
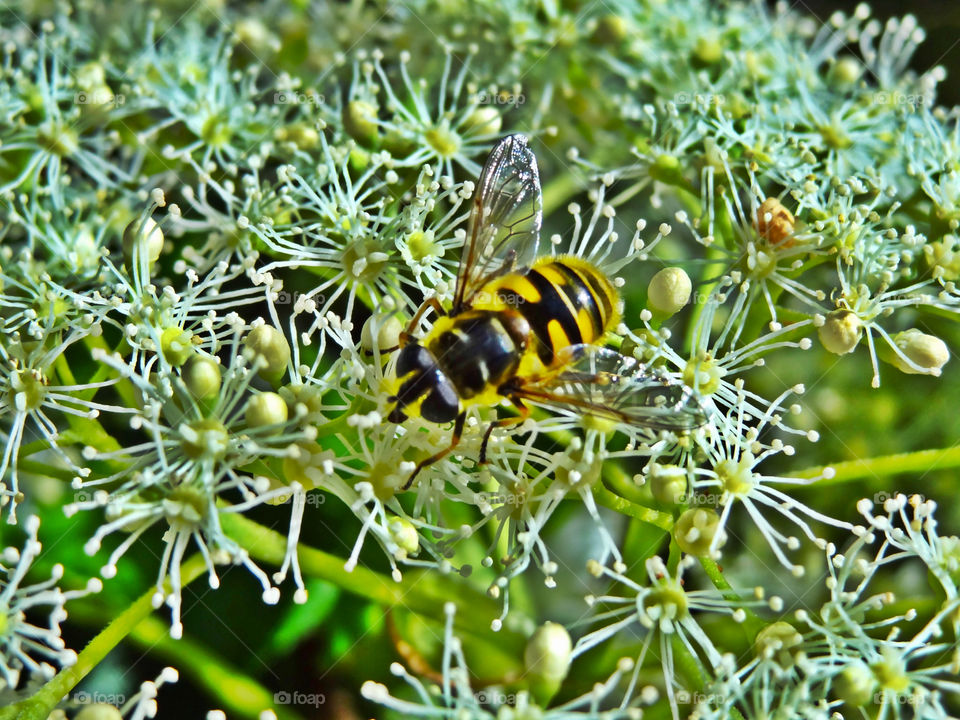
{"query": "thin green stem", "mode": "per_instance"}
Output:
(621, 505)
(753, 624)
(42, 703)
(903, 463)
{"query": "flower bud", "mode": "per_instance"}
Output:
(696, 529)
(846, 71)
(404, 534)
(266, 408)
(547, 659)
(176, 345)
(840, 332)
(669, 291)
(142, 237)
(388, 331)
(483, 121)
(928, 352)
(202, 376)
(269, 348)
(360, 121)
(668, 483)
(775, 222)
(855, 684)
(610, 30)
(779, 642)
(98, 711)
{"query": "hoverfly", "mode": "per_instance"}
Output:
(525, 328)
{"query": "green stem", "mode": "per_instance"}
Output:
(753, 624)
(419, 592)
(42, 703)
(237, 694)
(902, 463)
(621, 505)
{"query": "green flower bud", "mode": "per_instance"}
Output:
(668, 483)
(891, 671)
(388, 332)
(695, 530)
(483, 121)
(929, 352)
(547, 660)
(267, 347)
(404, 534)
(855, 685)
(943, 258)
(708, 50)
(610, 30)
(266, 408)
(360, 122)
(202, 376)
(841, 331)
(142, 238)
(780, 642)
(669, 291)
(176, 345)
(98, 711)
(846, 71)
(204, 438)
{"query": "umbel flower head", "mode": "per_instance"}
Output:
(24, 646)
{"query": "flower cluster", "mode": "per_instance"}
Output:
(217, 230)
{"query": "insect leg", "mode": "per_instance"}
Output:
(427, 304)
(503, 422)
(454, 441)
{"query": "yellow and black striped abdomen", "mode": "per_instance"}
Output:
(566, 301)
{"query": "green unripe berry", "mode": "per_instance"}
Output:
(779, 642)
(98, 711)
(928, 352)
(266, 408)
(388, 331)
(668, 483)
(360, 122)
(483, 121)
(669, 291)
(841, 331)
(696, 529)
(547, 659)
(404, 534)
(855, 685)
(176, 344)
(142, 238)
(202, 376)
(269, 351)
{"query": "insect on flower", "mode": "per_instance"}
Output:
(524, 328)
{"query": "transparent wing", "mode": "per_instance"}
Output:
(602, 382)
(504, 227)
